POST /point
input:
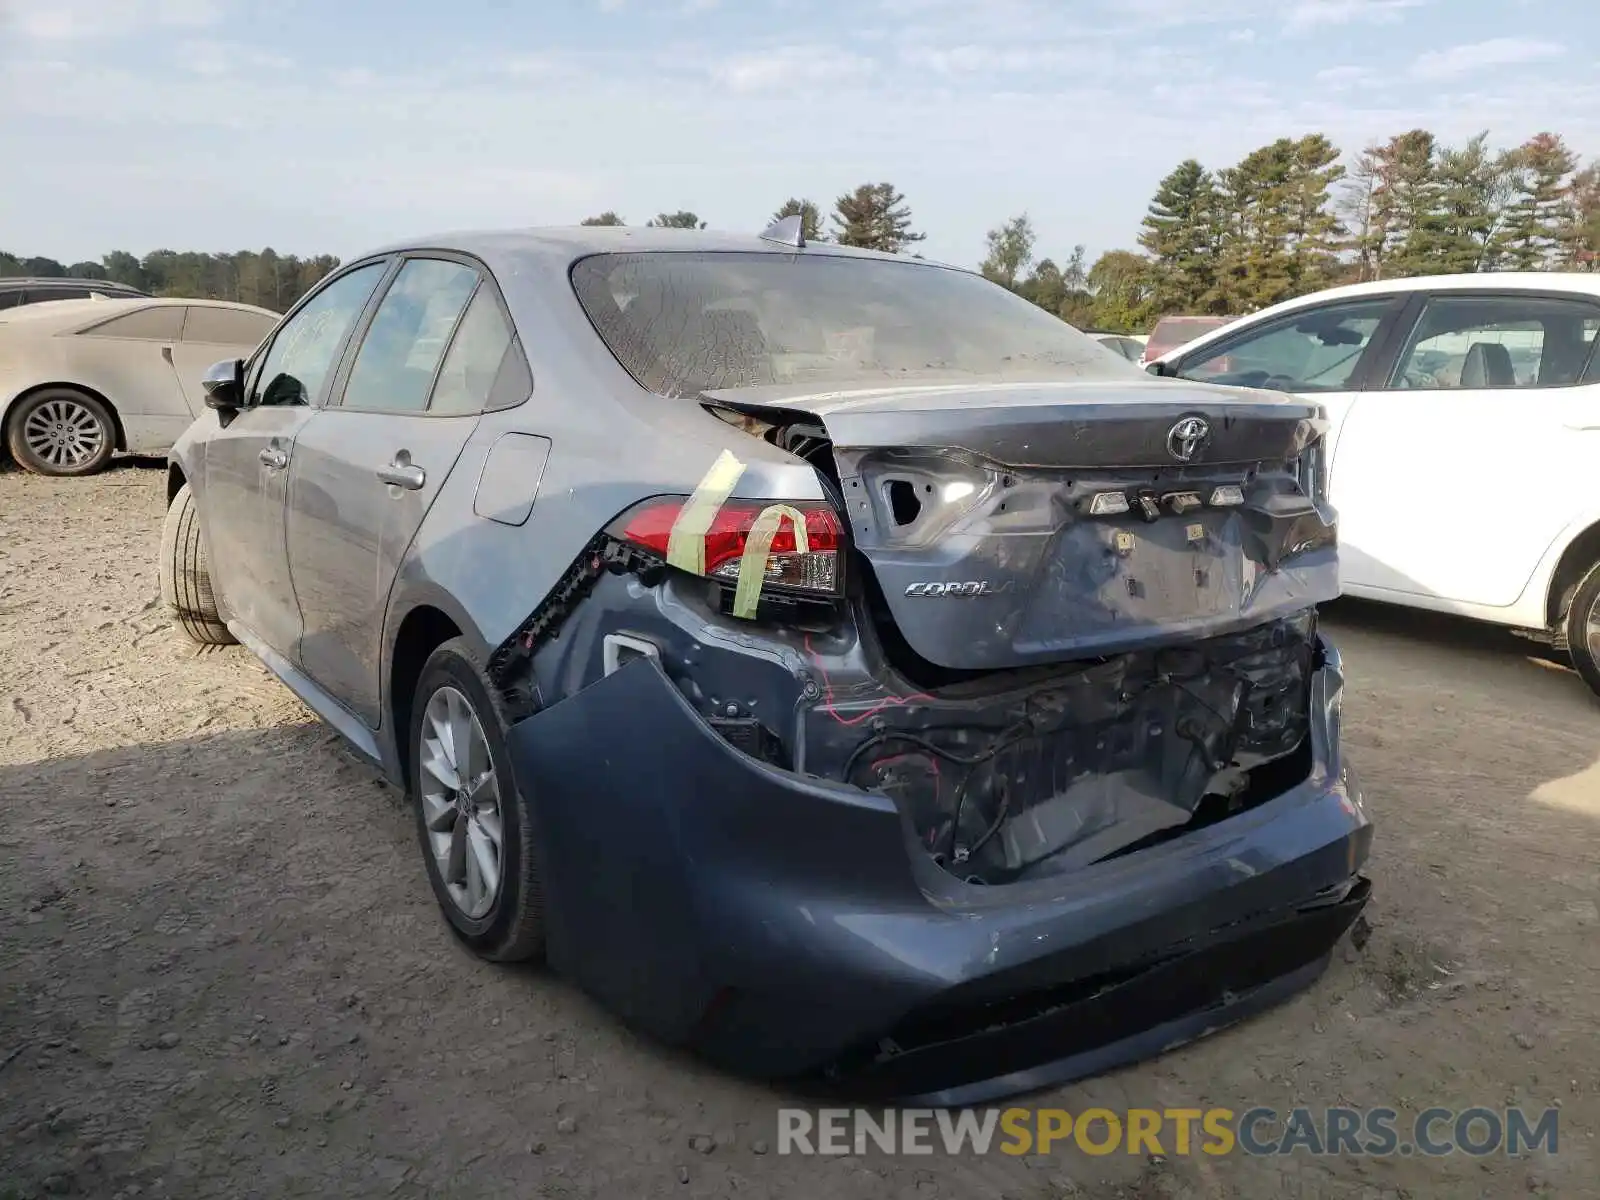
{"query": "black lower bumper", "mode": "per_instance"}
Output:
(783, 926)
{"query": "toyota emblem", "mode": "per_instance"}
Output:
(1186, 437)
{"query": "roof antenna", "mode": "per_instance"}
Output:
(788, 232)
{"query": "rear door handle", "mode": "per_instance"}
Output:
(166, 353)
(274, 458)
(402, 472)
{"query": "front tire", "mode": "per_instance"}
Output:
(61, 431)
(474, 827)
(1581, 627)
(185, 577)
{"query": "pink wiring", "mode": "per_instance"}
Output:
(827, 694)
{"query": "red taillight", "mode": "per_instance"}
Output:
(649, 526)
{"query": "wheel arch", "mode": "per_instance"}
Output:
(1580, 553)
(10, 413)
(428, 624)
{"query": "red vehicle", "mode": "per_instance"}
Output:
(1172, 332)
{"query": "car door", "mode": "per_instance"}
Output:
(1463, 464)
(127, 357)
(1323, 351)
(367, 469)
(209, 335)
(247, 457)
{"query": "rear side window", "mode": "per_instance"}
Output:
(484, 366)
(160, 323)
(400, 352)
(1490, 342)
(226, 326)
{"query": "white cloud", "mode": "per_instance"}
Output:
(1242, 36)
(205, 56)
(1340, 78)
(65, 20)
(1496, 52)
(789, 66)
(1307, 15)
(971, 59)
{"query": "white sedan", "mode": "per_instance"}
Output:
(1465, 414)
(80, 379)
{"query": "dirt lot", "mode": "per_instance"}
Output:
(221, 973)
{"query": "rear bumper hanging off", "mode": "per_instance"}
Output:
(784, 926)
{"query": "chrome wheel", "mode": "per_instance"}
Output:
(63, 433)
(1591, 628)
(461, 802)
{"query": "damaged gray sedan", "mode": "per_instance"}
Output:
(831, 661)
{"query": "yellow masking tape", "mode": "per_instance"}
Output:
(686, 541)
(753, 563)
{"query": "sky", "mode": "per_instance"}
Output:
(329, 126)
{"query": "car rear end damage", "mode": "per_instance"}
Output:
(1008, 717)
(1039, 669)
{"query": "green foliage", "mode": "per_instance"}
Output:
(609, 217)
(264, 278)
(1010, 251)
(1183, 231)
(875, 217)
(682, 219)
(810, 218)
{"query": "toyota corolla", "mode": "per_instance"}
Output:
(831, 661)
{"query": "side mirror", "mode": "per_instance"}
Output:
(1154, 368)
(224, 385)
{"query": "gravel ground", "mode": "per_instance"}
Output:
(221, 972)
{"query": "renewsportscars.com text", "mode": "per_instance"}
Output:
(1375, 1132)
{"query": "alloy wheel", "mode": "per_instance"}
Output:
(63, 433)
(461, 802)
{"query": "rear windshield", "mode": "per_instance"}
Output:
(685, 323)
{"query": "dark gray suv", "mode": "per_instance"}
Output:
(830, 660)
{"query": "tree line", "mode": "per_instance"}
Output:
(265, 278)
(1287, 219)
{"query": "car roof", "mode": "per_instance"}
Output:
(17, 281)
(572, 242)
(1582, 282)
(70, 315)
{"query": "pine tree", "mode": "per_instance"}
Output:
(1180, 231)
(1470, 195)
(1541, 210)
(875, 217)
(1404, 203)
(1581, 240)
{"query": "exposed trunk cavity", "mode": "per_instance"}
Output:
(1106, 636)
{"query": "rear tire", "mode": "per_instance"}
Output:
(185, 577)
(61, 431)
(1581, 628)
(472, 821)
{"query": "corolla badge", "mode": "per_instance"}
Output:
(1187, 436)
(971, 587)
